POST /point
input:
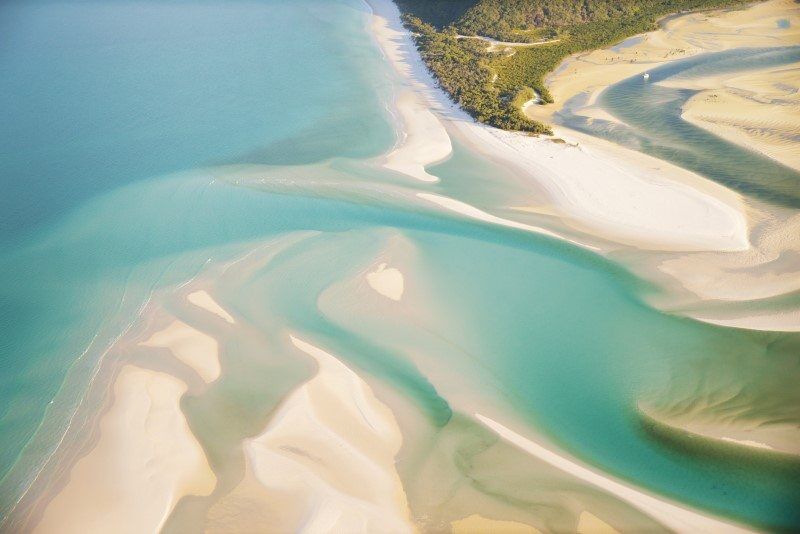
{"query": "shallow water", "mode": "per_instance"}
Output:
(121, 178)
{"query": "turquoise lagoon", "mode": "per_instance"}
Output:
(125, 119)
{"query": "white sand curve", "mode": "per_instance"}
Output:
(672, 516)
(423, 138)
(145, 461)
(331, 448)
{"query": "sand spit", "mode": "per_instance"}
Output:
(194, 348)
(329, 451)
(670, 515)
(423, 138)
(145, 461)
(759, 110)
(202, 299)
(764, 432)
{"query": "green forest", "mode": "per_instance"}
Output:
(492, 85)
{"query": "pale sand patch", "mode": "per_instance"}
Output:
(670, 515)
(424, 140)
(145, 461)
(194, 348)
(759, 110)
(678, 38)
(591, 524)
(477, 524)
(387, 282)
(202, 299)
(330, 449)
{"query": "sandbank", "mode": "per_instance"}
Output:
(191, 346)
(387, 281)
(759, 110)
(202, 299)
(712, 423)
(423, 139)
(672, 516)
(145, 461)
(330, 451)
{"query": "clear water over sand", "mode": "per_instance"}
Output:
(196, 135)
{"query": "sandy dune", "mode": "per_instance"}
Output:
(146, 459)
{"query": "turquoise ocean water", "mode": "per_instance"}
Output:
(121, 121)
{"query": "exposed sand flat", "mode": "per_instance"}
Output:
(424, 140)
(623, 195)
(477, 524)
(387, 281)
(713, 422)
(194, 348)
(145, 461)
(615, 193)
(670, 515)
(202, 299)
(591, 524)
(758, 110)
(768, 269)
(330, 450)
(678, 38)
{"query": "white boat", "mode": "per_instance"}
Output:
(646, 75)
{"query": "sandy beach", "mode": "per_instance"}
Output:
(326, 461)
(693, 229)
(759, 110)
(673, 517)
(145, 460)
(678, 38)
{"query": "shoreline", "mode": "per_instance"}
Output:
(699, 229)
(679, 36)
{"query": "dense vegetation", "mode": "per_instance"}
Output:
(492, 85)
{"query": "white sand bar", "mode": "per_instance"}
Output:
(330, 449)
(202, 299)
(423, 139)
(145, 460)
(670, 515)
(191, 346)
(387, 281)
